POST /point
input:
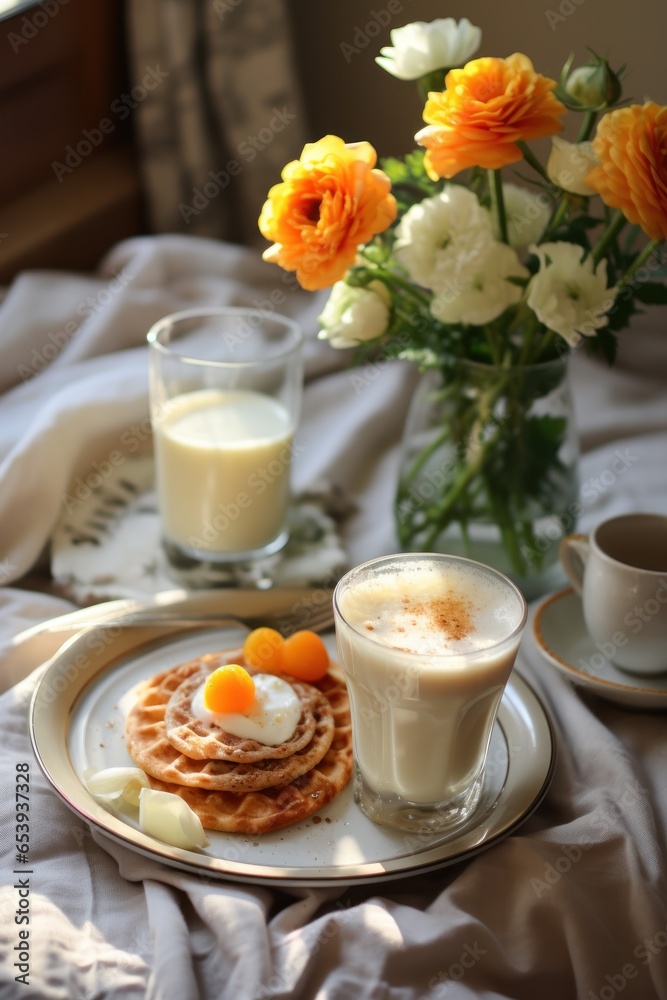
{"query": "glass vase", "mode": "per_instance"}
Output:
(489, 468)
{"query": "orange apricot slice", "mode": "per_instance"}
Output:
(263, 649)
(305, 656)
(229, 689)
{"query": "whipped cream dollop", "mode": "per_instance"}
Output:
(271, 719)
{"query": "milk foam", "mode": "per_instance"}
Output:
(432, 610)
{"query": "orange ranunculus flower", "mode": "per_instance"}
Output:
(631, 145)
(329, 203)
(485, 109)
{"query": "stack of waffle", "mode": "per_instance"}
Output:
(237, 784)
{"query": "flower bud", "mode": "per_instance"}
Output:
(526, 212)
(569, 164)
(595, 85)
(354, 315)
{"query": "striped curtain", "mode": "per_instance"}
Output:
(217, 111)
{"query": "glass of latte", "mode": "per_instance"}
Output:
(427, 643)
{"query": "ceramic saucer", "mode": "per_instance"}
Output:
(561, 637)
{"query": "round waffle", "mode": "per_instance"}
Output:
(204, 741)
(150, 748)
(268, 809)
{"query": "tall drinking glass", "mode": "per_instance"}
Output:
(225, 391)
(427, 643)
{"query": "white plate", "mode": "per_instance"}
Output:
(561, 637)
(77, 720)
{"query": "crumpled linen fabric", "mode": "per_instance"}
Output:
(571, 904)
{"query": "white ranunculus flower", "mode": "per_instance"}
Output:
(527, 213)
(569, 294)
(481, 292)
(440, 235)
(355, 315)
(425, 46)
(568, 164)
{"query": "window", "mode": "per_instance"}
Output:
(69, 186)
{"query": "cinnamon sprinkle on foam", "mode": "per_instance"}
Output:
(451, 615)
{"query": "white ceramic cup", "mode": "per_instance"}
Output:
(620, 571)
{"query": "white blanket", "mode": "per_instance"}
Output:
(574, 904)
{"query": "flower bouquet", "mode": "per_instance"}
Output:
(487, 284)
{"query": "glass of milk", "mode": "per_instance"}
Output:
(225, 393)
(427, 643)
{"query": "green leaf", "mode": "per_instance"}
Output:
(605, 342)
(410, 169)
(631, 236)
(576, 230)
(415, 162)
(623, 309)
(410, 182)
(396, 170)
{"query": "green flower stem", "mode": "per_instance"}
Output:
(424, 455)
(508, 533)
(453, 494)
(407, 314)
(547, 337)
(587, 126)
(531, 159)
(498, 202)
(460, 484)
(433, 81)
(485, 480)
(639, 261)
(608, 236)
(522, 315)
(529, 331)
(473, 467)
(391, 278)
(556, 219)
(495, 348)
